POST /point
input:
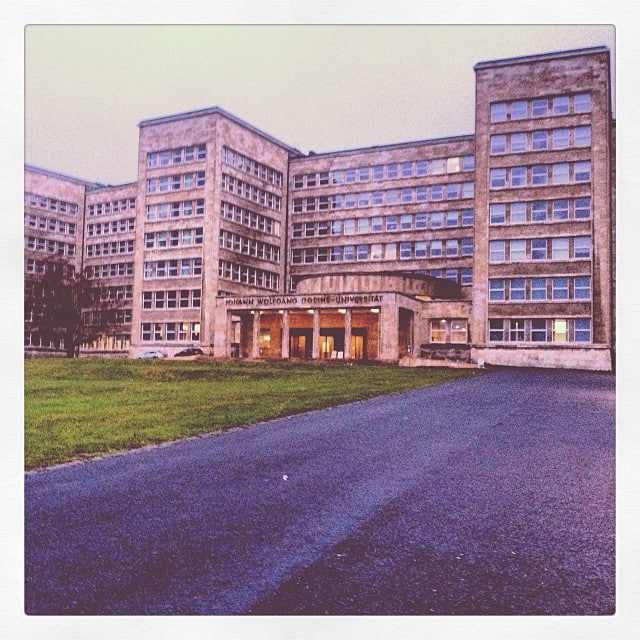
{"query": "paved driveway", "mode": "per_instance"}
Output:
(491, 495)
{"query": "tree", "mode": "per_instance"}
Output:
(68, 306)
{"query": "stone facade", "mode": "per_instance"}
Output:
(496, 247)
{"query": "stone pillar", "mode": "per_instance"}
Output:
(315, 354)
(347, 334)
(228, 331)
(285, 335)
(255, 351)
(389, 333)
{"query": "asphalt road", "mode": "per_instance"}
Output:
(492, 495)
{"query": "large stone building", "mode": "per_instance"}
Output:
(495, 248)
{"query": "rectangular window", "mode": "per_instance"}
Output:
(539, 249)
(468, 163)
(519, 110)
(498, 144)
(406, 195)
(496, 289)
(435, 249)
(559, 330)
(517, 250)
(561, 105)
(538, 330)
(437, 193)
(582, 103)
(518, 176)
(406, 221)
(467, 246)
(349, 253)
(378, 172)
(517, 212)
(376, 252)
(496, 330)
(539, 140)
(421, 168)
(560, 248)
(539, 175)
(582, 330)
(363, 225)
(390, 251)
(539, 211)
(560, 138)
(517, 289)
(582, 172)
(392, 223)
(453, 191)
(582, 137)
(497, 251)
(405, 251)
(499, 112)
(392, 171)
(582, 288)
(421, 220)
(451, 248)
(407, 169)
(582, 247)
(560, 209)
(498, 178)
(466, 276)
(467, 217)
(539, 289)
(392, 196)
(518, 142)
(452, 218)
(516, 330)
(582, 209)
(437, 220)
(421, 249)
(560, 173)
(540, 108)
(560, 288)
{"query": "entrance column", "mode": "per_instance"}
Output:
(255, 350)
(285, 335)
(388, 332)
(228, 336)
(315, 353)
(347, 334)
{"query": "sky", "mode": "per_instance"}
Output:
(317, 88)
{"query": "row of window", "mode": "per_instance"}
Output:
(540, 175)
(556, 330)
(258, 169)
(540, 140)
(182, 209)
(445, 331)
(420, 168)
(176, 156)
(420, 250)
(174, 238)
(47, 245)
(521, 250)
(115, 226)
(177, 182)
(117, 293)
(53, 225)
(248, 218)
(251, 192)
(536, 289)
(249, 246)
(379, 224)
(110, 208)
(178, 299)
(109, 248)
(434, 193)
(182, 268)
(41, 267)
(540, 107)
(170, 331)
(111, 270)
(34, 339)
(248, 275)
(109, 342)
(557, 210)
(107, 317)
(52, 204)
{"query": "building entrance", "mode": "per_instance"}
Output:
(301, 343)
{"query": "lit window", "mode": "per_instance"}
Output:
(559, 330)
(516, 330)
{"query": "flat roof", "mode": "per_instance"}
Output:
(386, 147)
(55, 174)
(220, 111)
(541, 56)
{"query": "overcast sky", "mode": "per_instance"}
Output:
(320, 88)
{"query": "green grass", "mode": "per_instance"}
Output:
(82, 408)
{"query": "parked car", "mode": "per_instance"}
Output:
(192, 351)
(152, 355)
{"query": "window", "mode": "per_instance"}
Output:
(582, 137)
(437, 219)
(363, 225)
(539, 211)
(421, 221)
(407, 169)
(582, 103)
(539, 140)
(392, 171)
(582, 172)
(582, 330)
(539, 289)
(519, 110)
(392, 196)
(350, 176)
(517, 250)
(516, 330)
(466, 276)
(467, 246)
(560, 248)
(560, 138)
(376, 252)
(436, 193)
(539, 175)
(453, 165)
(435, 249)
(496, 251)
(468, 163)
(582, 247)
(362, 252)
(539, 249)
(539, 108)
(451, 248)
(518, 142)
(582, 208)
(406, 221)
(467, 217)
(560, 173)
(499, 112)
(496, 289)
(518, 212)
(498, 144)
(406, 195)
(496, 331)
(349, 227)
(538, 330)
(439, 331)
(458, 331)
(452, 218)
(378, 172)
(560, 209)
(582, 288)
(390, 251)
(560, 288)
(498, 178)
(559, 330)
(561, 105)
(421, 249)
(405, 250)
(517, 289)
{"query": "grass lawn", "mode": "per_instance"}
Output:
(89, 407)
